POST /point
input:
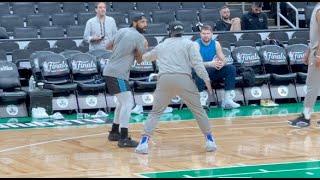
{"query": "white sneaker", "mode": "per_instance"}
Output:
(229, 104)
(168, 110)
(100, 114)
(39, 113)
(210, 143)
(57, 116)
(142, 148)
(138, 109)
(203, 98)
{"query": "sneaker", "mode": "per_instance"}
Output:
(268, 103)
(100, 114)
(39, 113)
(138, 109)
(229, 104)
(127, 142)
(300, 122)
(113, 136)
(210, 143)
(143, 146)
(204, 98)
(168, 110)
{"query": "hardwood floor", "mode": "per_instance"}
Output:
(85, 151)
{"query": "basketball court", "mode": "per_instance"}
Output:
(252, 142)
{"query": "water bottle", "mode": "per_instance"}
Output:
(32, 83)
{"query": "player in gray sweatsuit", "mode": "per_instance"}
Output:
(176, 56)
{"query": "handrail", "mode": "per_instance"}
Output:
(296, 11)
(164, 34)
(279, 15)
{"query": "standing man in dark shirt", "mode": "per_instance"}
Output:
(227, 24)
(255, 19)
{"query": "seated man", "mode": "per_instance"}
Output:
(227, 24)
(215, 63)
(255, 19)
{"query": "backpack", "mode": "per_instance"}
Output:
(247, 74)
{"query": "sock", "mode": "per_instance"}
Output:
(144, 139)
(115, 127)
(307, 112)
(124, 133)
(227, 95)
(209, 137)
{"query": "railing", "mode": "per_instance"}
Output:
(186, 34)
(279, 15)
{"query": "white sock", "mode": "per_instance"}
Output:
(227, 95)
(307, 112)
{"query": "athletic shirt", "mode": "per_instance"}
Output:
(314, 29)
(125, 42)
(208, 52)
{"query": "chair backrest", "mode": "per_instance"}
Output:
(274, 59)
(227, 54)
(23, 8)
(141, 70)
(38, 45)
(27, 32)
(11, 21)
(159, 28)
(279, 36)
(248, 56)
(35, 60)
(38, 20)
(63, 19)
(298, 41)
(9, 75)
(68, 53)
(3, 55)
(256, 37)
(296, 52)
(51, 32)
(245, 43)
(49, 7)
(9, 46)
(163, 16)
(83, 66)
(21, 54)
(228, 37)
(55, 66)
(75, 31)
(85, 16)
(187, 15)
(152, 41)
(67, 44)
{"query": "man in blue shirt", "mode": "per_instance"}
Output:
(215, 63)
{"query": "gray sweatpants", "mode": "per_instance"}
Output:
(168, 86)
(313, 82)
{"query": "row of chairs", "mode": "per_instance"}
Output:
(9, 22)
(11, 47)
(26, 8)
(254, 39)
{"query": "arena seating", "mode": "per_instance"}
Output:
(41, 29)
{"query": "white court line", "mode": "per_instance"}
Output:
(46, 142)
(78, 137)
(277, 171)
(263, 170)
(310, 173)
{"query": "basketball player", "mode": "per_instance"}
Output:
(312, 58)
(127, 45)
(175, 58)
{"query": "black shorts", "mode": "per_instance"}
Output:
(115, 85)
